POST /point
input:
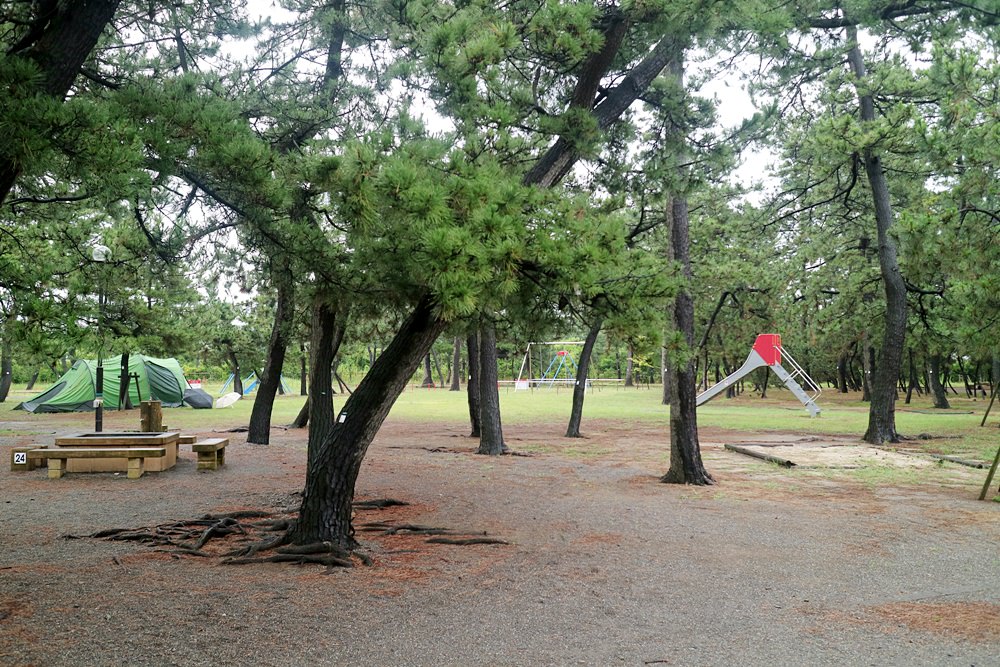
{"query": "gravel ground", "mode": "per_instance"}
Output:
(605, 567)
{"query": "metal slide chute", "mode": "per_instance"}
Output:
(767, 351)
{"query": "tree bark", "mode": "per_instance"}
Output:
(456, 365)
(686, 466)
(428, 380)
(630, 366)
(937, 389)
(472, 390)
(867, 368)
(259, 432)
(913, 382)
(582, 373)
(234, 366)
(32, 381)
(329, 322)
(437, 367)
(334, 463)
(124, 399)
(665, 377)
(491, 429)
(842, 372)
(58, 41)
(882, 411)
(303, 372)
(6, 366)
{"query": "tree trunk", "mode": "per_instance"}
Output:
(302, 417)
(259, 432)
(842, 372)
(456, 365)
(867, 364)
(124, 399)
(6, 366)
(937, 389)
(472, 390)
(665, 376)
(303, 372)
(329, 323)
(234, 366)
(630, 366)
(686, 466)
(882, 411)
(913, 383)
(335, 461)
(32, 381)
(437, 368)
(428, 380)
(491, 430)
(582, 372)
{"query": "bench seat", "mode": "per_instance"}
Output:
(136, 456)
(211, 453)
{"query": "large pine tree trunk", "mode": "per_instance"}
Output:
(6, 367)
(937, 388)
(582, 373)
(472, 390)
(259, 432)
(686, 466)
(335, 461)
(882, 411)
(456, 365)
(329, 322)
(665, 375)
(328, 326)
(491, 430)
(61, 37)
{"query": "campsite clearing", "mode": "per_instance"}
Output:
(605, 565)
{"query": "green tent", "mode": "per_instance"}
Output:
(159, 379)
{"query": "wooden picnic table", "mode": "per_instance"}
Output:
(116, 439)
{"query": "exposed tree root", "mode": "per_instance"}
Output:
(466, 541)
(389, 529)
(198, 537)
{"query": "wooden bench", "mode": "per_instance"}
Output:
(136, 457)
(187, 439)
(211, 453)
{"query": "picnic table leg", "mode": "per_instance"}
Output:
(136, 468)
(57, 468)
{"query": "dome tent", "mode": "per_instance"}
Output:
(159, 379)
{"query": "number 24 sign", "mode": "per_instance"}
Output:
(20, 458)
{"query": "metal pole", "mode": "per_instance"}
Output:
(99, 389)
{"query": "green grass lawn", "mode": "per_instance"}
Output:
(955, 431)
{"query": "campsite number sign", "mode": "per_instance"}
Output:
(20, 458)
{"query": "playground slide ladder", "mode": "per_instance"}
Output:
(767, 351)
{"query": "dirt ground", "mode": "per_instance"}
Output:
(604, 565)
